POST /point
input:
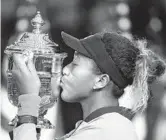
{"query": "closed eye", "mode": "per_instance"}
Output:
(74, 64)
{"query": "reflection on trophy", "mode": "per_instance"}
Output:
(48, 60)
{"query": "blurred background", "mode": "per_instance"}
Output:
(80, 18)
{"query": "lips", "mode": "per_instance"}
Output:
(62, 80)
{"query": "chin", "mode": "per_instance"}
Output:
(66, 97)
(69, 97)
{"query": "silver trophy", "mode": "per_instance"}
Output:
(48, 60)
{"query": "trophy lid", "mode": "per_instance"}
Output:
(35, 41)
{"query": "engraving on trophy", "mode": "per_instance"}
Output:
(43, 64)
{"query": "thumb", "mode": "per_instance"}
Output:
(55, 84)
(16, 75)
(31, 67)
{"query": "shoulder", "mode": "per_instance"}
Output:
(117, 126)
(108, 126)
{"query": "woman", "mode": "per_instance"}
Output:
(103, 63)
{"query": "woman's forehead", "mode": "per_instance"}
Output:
(79, 57)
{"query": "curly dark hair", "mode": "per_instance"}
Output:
(137, 64)
(123, 53)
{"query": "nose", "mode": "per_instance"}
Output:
(66, 70)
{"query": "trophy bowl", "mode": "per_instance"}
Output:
(48, 60)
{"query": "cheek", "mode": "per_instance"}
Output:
(77, 86)
(82, 81)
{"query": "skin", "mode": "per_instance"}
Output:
(79, 83)
(78, 79)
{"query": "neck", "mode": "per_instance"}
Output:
(96, 101)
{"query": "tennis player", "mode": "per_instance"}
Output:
(104, 64)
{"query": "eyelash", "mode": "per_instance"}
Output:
(74, 64)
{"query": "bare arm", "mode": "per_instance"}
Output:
(29, 105)
(28, 83)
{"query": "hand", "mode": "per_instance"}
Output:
(55, 84)
(25, 75)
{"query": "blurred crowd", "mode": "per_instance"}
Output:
(132, 18)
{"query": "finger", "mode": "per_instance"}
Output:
(20, 63)
(31, 67)
(16, 75)
(56, 80)
(15, 67)
(55, 84)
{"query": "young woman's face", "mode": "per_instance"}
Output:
(78, 79)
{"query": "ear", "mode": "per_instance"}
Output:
(101, 81)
